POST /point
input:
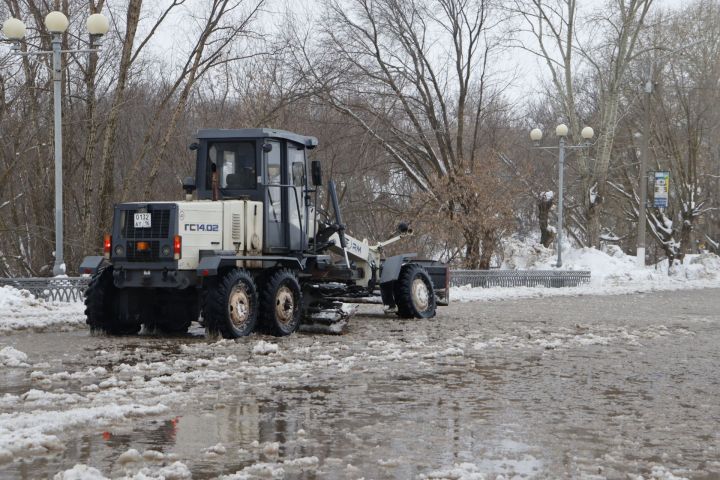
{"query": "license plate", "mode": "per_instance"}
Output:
(143, 220)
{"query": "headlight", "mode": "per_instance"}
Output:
(119, 250)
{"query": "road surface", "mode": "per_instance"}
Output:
(564, 387)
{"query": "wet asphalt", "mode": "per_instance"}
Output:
(558, 387)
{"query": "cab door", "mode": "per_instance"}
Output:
(275, 214)
(297, 178)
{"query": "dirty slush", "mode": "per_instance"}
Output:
(484, 390)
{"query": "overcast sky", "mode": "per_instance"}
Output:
(526, 67)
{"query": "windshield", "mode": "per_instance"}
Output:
(235, 163)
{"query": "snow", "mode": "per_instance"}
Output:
(80, 472)
(613, 272)
(35, 432)
(264, 348)
(142, 384)
(275, 470)
(460, 471)
(174, 471)
(218, 449)
(20, 310)
(131, 456)
(9, 357)
(659, 473)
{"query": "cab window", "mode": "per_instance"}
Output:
(235, 163)
(296, 157)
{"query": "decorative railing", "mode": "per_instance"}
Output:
(71, 289)
(54, 289)
(519, 278)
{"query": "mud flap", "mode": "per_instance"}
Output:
(91, 265)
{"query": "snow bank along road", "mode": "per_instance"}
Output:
(568, 387)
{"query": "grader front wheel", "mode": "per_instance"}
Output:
(414, 293)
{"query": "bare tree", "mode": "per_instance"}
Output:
(128, 57)
(415, 76)
(605, 52)
(685, 50)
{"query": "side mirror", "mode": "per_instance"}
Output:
(189, 185)
(194, 146)
(267, 147)
(316, 170)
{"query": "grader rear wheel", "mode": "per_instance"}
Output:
(177, 312)
(231, 305)
(106, 306)
(281, 303)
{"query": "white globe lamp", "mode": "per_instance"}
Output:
(98, 24)
(13, 29)
(56, 22)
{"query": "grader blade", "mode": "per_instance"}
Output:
(331, 319)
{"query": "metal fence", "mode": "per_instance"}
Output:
(71, 289)
(519, 278)
(68, 289)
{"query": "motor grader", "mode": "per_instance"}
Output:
(248, 250)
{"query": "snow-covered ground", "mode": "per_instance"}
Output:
(20, 310)
(612, 273)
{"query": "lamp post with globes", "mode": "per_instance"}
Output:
(561, 131)
(57, 23)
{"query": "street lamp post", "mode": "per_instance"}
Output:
(561, 131)
(57, 23)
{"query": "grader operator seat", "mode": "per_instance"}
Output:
(262, 165)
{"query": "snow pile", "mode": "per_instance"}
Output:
(264, 348)
(20, 310)
(218, 449)
(9, 357)
(519, 255)
(699, 267)
(80, 472)
(461, 471)
(612, 272)
(660, 473)
(174, 471)
(34, 432)
(275, 470)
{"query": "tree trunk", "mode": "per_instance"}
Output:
(107, 189)
(472, 250)
(686, 234)
(86, 163)
(593, 225)
(488, 248)
(547, 235)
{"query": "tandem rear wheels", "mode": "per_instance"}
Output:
(235, 305)
(104, 306)
(123, 311)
